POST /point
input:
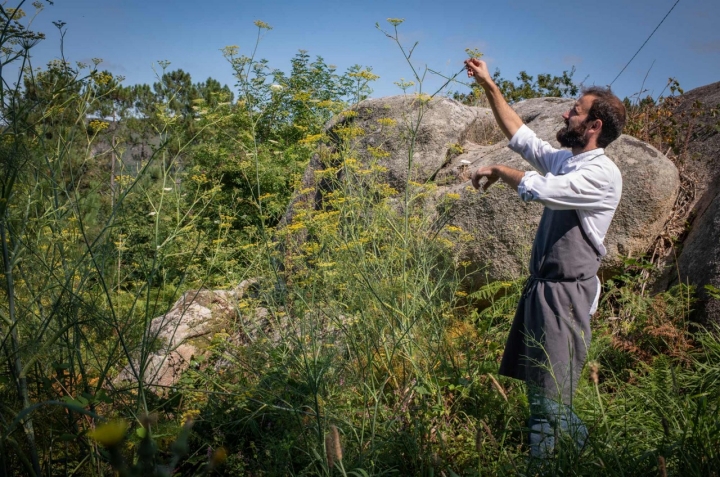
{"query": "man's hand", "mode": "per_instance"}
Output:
(487, 172)
(507, 119)
(510, 176)
(478, 69)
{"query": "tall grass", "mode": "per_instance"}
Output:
(73, 309)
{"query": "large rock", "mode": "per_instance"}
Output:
(443, 122)
(184, 333)
(699, 262)
(200, 319)
(699, 259)
(501, 225)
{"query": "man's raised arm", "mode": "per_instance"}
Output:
(507, 119)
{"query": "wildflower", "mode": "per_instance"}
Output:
(364, 74)
(473, 53)
(218, 457)
(378, 152)
(97, 125)
(230, 50)
(395, 21)
(423, 97)
(167, 189)
(326, 104)
(387, 122)
(262, 25)
(102, 78)
(152, 213)
(190, 415)
(312, 139)
(404, 84)
(350, 132)
(109, 434)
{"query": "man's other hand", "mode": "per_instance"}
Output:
(487, 172)
(478, 69)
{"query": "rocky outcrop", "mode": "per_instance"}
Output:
(205, 322)
(699, 262)
(185, 333)
(453, 139)
(699, 259)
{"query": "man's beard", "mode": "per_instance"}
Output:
(572, 138)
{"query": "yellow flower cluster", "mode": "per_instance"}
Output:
(110, 433)
(15, 13)
(302, 96)
(231, 50)
(331, 105)
(403, 85)
(473, 53)
(262, 25)
(378, 152)
(423, 97)
(312, 139)
(364, 74)
(190, 415)
(199, 178)
(96, 125)
(102, 78)
(350, 132)
(456, 148)
(387, 122)
(295, 226)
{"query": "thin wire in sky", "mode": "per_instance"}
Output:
(648, 39)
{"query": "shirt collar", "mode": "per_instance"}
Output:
(587, 155)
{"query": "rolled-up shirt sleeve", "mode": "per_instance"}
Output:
(540, 154)
(584, 189)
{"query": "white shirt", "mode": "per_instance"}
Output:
(589, 183)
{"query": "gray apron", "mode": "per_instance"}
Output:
(550, 334)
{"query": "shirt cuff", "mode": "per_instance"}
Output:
(520, 138)
(525, 187)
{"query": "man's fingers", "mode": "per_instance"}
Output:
(484, 172)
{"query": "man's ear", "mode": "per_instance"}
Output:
(596, 125)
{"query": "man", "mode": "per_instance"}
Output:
(580, 190)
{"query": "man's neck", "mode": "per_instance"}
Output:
(589, 147)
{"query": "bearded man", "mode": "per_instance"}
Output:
(580, 190)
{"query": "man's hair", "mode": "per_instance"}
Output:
(610, 110)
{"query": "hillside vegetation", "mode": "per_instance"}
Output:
(372, 359)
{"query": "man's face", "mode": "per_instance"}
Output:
(573, 134)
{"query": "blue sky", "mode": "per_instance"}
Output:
(598, 38)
